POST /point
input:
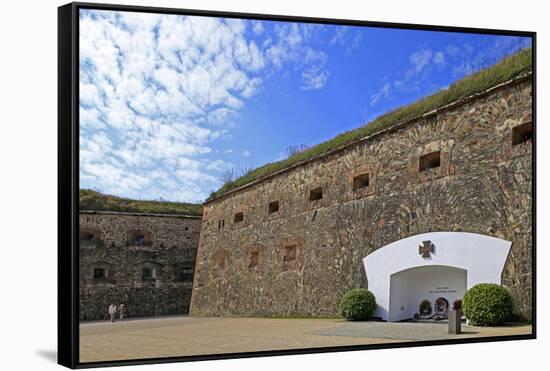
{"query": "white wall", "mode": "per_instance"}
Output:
(409, 287)
(483, 258)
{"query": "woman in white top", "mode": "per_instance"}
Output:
(112, 312)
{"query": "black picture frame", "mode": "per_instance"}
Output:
(68, 182)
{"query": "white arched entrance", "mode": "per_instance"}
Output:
(430, 266)
(410, 286)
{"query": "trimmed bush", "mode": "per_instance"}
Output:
(425, 307)
(487, 304)
(357, 305)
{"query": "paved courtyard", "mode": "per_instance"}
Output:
(182, 336)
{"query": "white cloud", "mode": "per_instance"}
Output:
(257, 27)
(345, 36)
(452, 50)
(157, 90)
(90, 118)
(246, 153)
(339, 36)
(439, 59)
(420, 59)
(219, 165)
(314, 78)
(421, 63)
(384, 92)
(291, 46)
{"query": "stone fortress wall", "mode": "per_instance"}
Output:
(145, 261)
(293, 242)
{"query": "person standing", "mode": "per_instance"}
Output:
(121, 311)
(112, 311)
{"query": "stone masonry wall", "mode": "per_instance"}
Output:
(301, 259)
(144, 261)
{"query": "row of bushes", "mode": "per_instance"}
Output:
(485, 304)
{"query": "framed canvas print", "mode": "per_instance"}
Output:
(240, 185)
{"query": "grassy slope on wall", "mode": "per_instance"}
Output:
(502, 71)
(92, 200)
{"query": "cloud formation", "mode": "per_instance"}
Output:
(157, 90)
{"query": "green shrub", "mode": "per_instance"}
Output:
(487, 304)
(425, 307)
(357, 305)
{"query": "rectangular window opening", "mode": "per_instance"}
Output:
(220, 263)
(239, 217)
(99, 273)
(147, 274)
(316, 194)
(185, 274)
(522, 133)
(360, 181)
(430, 161)
(254, 259)
(290, 253)
(273, 207)
(87, 236)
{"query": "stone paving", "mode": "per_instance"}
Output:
(183, 336)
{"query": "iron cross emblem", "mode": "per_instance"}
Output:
(426, 248)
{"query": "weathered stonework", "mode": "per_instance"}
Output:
(145, 261)
(479, 182)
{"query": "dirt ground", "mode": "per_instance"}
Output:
(182, 336)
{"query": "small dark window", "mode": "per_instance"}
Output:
(185, 274)
(316, 194)
(147, 274)
(223, 223)
(86, 236)
(219, 224)
(522, 133)
(239, 217)
(273, 207)
(360, 181)
(99, 273)
(290, 253)
(89, 234)
(254, 259)
(430, 161)
(220, 263)
(139, 238)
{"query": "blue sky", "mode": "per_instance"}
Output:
(169, 103)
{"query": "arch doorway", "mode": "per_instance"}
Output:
(438, 284)
(430, 266)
